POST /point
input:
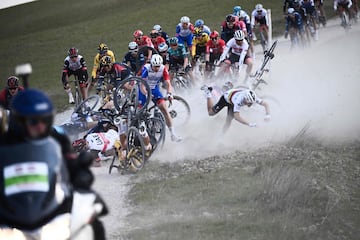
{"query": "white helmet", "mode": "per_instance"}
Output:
(133, 46)
(185, 19)
(239, 35)
(242, 14)
(250, 96)
(163, 47)
(157, 27)
(291, 10)
(156, 60)
(258, 7)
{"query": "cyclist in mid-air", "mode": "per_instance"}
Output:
(74, 64)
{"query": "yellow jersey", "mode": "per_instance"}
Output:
(97, 61)
(199, 41)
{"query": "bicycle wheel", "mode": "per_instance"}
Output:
(135, 152)
(179, 111)
(156, 130)
(127, 94)
(88, 105)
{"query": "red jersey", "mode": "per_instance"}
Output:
(156, 41)
(144, 41)
(213, 48)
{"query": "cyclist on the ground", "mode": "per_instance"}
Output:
(294, 23)
(74, 64)
(163, 34)
(7, 94)
(214, 48)
(154, 73)
(230, 26)
(184, 32)
(103, 50)
(198, 44)
(115, 71)
(239, 53)
(259, 17)
(156, 39)
(142, 41)
(201, 25)
(234, 99)
(132, 59)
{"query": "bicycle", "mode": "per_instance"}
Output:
(77, 93)
(180, 79)
(257, 77)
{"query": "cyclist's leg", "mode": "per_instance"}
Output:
(82, 78)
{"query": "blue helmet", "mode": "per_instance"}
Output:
(29, 107)
(199, 23)
(237, 10)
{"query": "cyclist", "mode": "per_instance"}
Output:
(288, 4)
(184, 32)
(259, 17)
(243, 16)
(319, 6)
(178, 57)
(214, 48)
(132, 59)
(230, 26)
(142, 41)
(163, 34)
(201, 25)
(103, 50)
(30, 124)
(7, 94)
(234, 99)
(74, 64)
(163, 51)
(116, 71)
(343, 5)
(156, 39)
(311, 15)
(294, 24)
(153, 73)
(239, 53)
(198, 44)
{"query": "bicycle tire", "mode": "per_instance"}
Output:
(88, 105)
(156, 129)
(135, 152)
(179, 111)
(124, 98)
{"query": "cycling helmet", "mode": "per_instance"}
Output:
(12, 82)
(250, 96)
(133, 46)
(73, 52)
(242, 14)
(173, 41)
(163, 47)
(198, 32)
(239, 35)
(214, 34)
(102, 48)
(230, 18)
(30, 106)
(291, 10)
(258, 7)
(185, 19)
(237, 10)
(106, 61)
(138, 34)
(157, 27)
(156, 60)
(199, 23)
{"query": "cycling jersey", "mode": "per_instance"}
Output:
(260, 18)
(178, 53)
(157, 41)
(77, 68)
(97, 58)
(118, 72)
(134, 63)
(295, 22)
(5, 97)
(185, 35)
(217, 48)
(227, 33)
(199, 42)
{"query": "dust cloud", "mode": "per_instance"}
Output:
(317, 86)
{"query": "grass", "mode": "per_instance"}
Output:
(41, 32)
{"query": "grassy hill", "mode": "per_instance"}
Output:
(41, 32)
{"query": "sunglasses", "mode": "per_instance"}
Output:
(213, 39)
(173, 45)
(73, 56)
(36, 120)
(12, 89)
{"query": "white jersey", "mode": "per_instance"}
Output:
(153, 78)
(236, 97)
(240, 50)
(259, 17)
(76, 65)
(103, 141)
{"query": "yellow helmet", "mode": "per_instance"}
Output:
(103, 48)
(106, 61)
(198, 32)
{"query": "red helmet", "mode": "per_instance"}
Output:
(73, 52)
(138, 34)
(214, 34)
(12, 82)
(230, 18)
